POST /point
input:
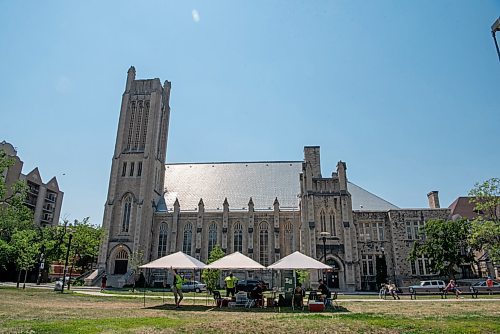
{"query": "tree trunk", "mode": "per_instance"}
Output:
(18, 279)
(25, 276)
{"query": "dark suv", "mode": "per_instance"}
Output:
(248, 285)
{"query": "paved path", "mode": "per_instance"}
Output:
(95, 291)
(340, 300)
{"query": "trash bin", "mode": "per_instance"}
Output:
(58, 286)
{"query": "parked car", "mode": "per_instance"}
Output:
(194, 286)
(429, 284)
(483, 283)
(248, 285)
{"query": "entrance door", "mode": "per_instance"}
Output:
(331, 276)
(121, 267)
(121, 262)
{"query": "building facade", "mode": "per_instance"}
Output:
(265, 210)
(44, 199)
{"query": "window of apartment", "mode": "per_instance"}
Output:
(187, 239)
(263, 243)
(212, 237)
(238, 237)
(367, 265)
(139, 168)
(132, 165)
(372, 231)
(421, 266)
(124, 169)
(162, 240)
(413, 230)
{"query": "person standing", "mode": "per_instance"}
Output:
(177, 287)
(104, 280)
(489, 282)
(230, 282)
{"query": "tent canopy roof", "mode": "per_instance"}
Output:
(297, 260)
(235, 261)
(177, 260)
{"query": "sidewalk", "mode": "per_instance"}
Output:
(96, 291)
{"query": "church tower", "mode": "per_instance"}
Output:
(137, 173)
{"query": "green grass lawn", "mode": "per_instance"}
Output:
(44, 311)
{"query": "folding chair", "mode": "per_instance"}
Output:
(217, 299)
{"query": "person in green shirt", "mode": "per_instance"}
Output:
(230, 284)
(177, 287)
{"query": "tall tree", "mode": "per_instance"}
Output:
(485, 234)
(212, 276)
(15, 217)
(444, 242)
(26, 250)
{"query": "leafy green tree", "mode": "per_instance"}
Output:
(445, 243)
(485, 234)
(211, 276)
(26, 251)
(302, 276)
(135, 261)
(15, 218)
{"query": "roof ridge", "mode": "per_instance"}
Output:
(232, 162)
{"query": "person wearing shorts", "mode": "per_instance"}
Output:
(177, 287)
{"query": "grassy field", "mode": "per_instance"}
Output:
(43, 311)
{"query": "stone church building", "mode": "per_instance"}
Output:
(265, 210)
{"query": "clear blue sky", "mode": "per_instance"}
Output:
(406, 92)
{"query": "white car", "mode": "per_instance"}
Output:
(429, 284)
(194, 286)
(483, 284)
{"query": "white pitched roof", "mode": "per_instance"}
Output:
(235, 261)
(177, 260)
(297, 260)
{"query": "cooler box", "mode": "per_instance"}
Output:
(316, 306)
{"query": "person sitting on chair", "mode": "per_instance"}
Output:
(452, 287)
(257, 294)
(324, 291)
(393, 291)
(298, 296)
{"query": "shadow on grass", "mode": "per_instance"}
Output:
(211, 308)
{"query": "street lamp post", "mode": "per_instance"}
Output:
(66, 262)
(494, 28)
(324, 236)
(40, 265)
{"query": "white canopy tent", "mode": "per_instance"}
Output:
(297, 261)
(177, 260)
(236, 261)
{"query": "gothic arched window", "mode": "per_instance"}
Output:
(212, 237)
(238, 237)
(162, 240)
(264, 244)
(322, 220)
(333, 229)
(127, 208)
(187, 239)
(288, 238)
